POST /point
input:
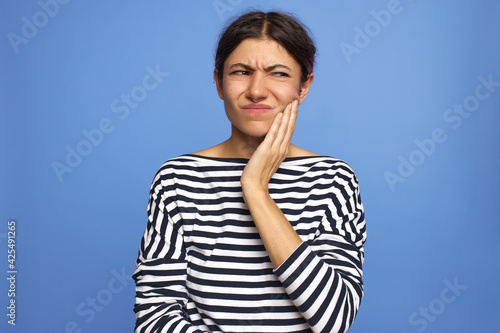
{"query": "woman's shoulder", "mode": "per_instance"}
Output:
(199, 162)
(173, 166)
(214, 151)
(296, 151)
(316, 161)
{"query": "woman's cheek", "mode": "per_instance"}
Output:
(292, 93)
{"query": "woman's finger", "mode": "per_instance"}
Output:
(277, 144)
(273, 130)
(291, 123)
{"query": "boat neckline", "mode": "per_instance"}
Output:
(242, 159)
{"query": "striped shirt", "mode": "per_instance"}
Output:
(202, 266)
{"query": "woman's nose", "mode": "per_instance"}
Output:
(257, 89)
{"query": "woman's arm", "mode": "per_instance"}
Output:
(323, 276)
(161, 270)
(279, 237)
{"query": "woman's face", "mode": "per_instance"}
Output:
(260, 79)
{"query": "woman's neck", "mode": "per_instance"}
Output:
(240, 145)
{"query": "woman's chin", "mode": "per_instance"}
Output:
(256, 131)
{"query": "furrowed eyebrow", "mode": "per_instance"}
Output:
(267, 69)
(273, 67)
(241, 65)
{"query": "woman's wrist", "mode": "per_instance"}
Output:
(253, 192)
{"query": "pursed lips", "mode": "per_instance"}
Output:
(257, 108)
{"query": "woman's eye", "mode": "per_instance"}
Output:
(241, 72)
(281, 74)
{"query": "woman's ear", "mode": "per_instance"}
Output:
(304, 87)
(218, 83)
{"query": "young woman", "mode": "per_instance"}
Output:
(254, 234)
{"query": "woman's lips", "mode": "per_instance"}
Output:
(257, 108)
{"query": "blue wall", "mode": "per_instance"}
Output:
(95, 95)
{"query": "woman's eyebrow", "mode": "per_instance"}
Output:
(273, 67)
(267, 69)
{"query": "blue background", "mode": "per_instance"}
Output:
(378, 96)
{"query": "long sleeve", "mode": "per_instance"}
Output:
(161, 269)
(323, 276)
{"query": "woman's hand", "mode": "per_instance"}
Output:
(277, 234)
(271, 152)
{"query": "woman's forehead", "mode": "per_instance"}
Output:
(261, 53)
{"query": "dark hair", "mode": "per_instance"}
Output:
(285, 29)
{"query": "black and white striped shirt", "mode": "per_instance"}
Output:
(202, 266)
